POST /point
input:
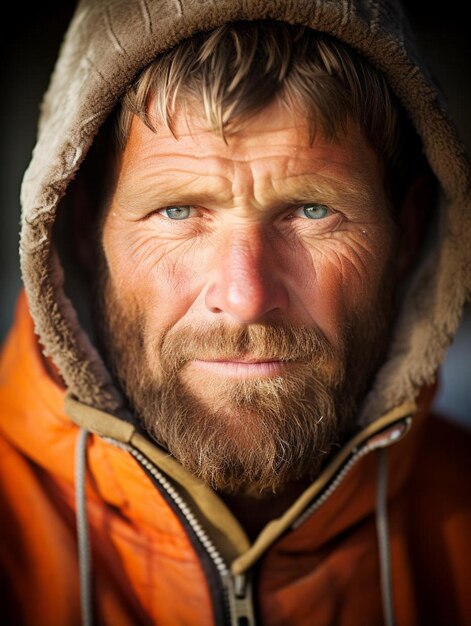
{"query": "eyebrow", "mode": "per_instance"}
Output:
(159, 197)
(330, 190)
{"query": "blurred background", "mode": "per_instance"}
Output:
(30, 42)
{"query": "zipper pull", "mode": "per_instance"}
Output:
(240, 600)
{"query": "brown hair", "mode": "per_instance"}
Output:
(234, 71)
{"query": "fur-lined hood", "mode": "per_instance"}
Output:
(106, 46)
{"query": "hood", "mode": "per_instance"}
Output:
(106, 46)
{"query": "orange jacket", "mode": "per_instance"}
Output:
(150, 567)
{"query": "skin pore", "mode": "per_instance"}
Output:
(231, 239)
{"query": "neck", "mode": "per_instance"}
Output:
(255, 512)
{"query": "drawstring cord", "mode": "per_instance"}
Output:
(382, 531)
(83, 538)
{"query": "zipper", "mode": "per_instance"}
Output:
(238, 601)
(239, 593)
(237, 589)
(391, 436)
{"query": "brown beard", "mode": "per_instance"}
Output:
(254, 436)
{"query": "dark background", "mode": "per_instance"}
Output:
(30, 42)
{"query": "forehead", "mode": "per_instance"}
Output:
(275, 144)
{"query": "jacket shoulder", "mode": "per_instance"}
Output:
(445, 448)
(437, 522)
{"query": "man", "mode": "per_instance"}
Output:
(242, 280)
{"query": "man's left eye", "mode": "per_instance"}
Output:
(313, 211)
(176, 212)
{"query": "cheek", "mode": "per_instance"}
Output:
(344, 275)
(154, 275)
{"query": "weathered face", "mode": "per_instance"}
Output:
(248, 291)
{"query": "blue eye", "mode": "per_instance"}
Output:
(176, 212)
(313, 211)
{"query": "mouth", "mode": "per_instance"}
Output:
(243, 368)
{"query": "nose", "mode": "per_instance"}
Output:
(246, 283)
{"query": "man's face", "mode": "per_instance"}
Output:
(247, 292)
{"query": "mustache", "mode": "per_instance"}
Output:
(264, 342)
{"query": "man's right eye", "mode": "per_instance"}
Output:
(176, 212)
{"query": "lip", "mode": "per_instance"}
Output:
(243, 368)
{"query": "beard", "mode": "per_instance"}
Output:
(252, 436)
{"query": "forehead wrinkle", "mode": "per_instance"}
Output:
(171, 185)
(156, 162)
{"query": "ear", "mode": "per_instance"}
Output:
(412, 217)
